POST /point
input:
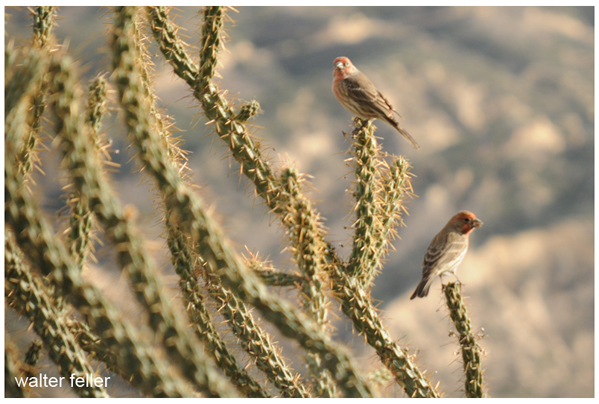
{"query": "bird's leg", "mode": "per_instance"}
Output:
(442, 284)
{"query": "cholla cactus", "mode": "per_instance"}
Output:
(187, 354)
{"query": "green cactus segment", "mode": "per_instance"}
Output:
(247, 111)
(291, 322)
(471, 351)
(96, 108)
(26, 294)
(34, 236)
(308, 254)
(21, 78)
(82, 218)
(276, 278)
(43, 21)
(379, 191)
(396, 187)
(363, 259)
(140, 364)
(212, 42)
(255, 341)
(356, 304)
(251, 336)
(380, 377)
(257, 169)
(172, 48)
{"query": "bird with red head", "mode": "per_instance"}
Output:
(447, 250)
(360, 97)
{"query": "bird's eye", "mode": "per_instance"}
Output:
(467, 220)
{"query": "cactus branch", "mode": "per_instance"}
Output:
(43, 21)
(362, 261)
(471, 351)
(307, 251)
(396, 187)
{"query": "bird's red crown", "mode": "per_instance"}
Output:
(465, 221)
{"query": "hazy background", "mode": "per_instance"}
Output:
(501, 101)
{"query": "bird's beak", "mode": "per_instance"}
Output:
(339, 66)
(477, 223)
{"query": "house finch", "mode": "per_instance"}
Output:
(360, 97)
(447, 250)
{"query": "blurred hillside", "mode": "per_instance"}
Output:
(501, 101)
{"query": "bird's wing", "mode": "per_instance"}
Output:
(360, 89)
(389, 104)
(445, 250)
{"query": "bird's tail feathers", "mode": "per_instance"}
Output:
(422, 288)
(404, 132)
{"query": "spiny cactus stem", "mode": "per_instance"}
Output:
(210, 46)
(356, 304)
(471, 351)
(308, 254)
(95, 346)
(184, 260)
(396, 187)
(232, 132)
(363, 260)
(173, 49)
(247, 111)
(82, 217)
(276, 278)
(34, 353)
(20, 85)
(187, 354)
(252, 337)
(43, 20)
